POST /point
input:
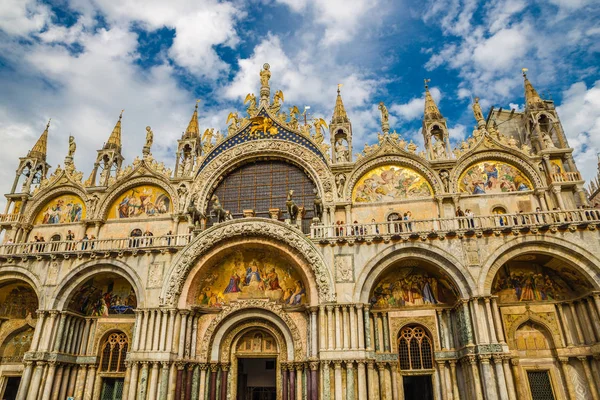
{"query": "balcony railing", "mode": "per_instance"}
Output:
(10, 218)
(146, 243)
(457, 224)
(566, 177)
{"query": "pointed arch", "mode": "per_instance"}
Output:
(532, 317)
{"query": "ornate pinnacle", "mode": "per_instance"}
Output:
(265, 89)
(532, 98)
(431, 109)
(39, 149)
(339, 112)
(114, 141)
(193, 130)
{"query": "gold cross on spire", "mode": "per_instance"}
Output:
(426, 83)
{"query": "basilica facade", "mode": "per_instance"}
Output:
(271, 263)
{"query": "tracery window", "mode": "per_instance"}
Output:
(16, 346)
(113, 352)
(263, 185)
(415, 348)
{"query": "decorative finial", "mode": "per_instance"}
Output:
(48, 124)
(197, 102)
(121, 115)
(426, 83)
(339, 87)
(524, 71)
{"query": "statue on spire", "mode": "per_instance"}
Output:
(385, 116)
(477, 113)
(265, 75)
(72, 147)
(149, 141)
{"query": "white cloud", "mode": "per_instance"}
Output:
(457, 133)
(580, 118)
(20, 17)
(500, 51)
(414, 108)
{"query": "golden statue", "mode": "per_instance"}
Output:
(384, 113)
(251, 98)
(319, 123)
(264, 124)
(477, 110)
(235, 123)
(207, 136)
(277, 100)
(294, 112)
(72, 146)
(265, 75)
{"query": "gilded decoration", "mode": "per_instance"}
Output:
(249, 273)
(65, 209)
(103, 295)
(17, 300)
(523, 281)
(389, 183)
(16, 345)
(493, 177)
(141, 202)
(412, 287)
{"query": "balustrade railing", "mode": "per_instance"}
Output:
(566, 177)
(433, 225)
(9, 218)
(131, 243)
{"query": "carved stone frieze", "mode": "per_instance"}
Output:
(257, 227)
(209, 175)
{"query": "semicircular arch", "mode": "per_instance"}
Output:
(36, 206)
(208, 177)
(148, 180)
(18, 273)
(77, 276)
(274, 233)
(378, 265)
(513, 160)
(575, 256)
(412, 163)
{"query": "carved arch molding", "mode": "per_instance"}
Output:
(256, 227)
(209, 175)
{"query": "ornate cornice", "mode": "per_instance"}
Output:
(257, 227)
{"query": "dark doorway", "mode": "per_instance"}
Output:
(12, 387)
(257, 379)
(112, 389)
(418, 387)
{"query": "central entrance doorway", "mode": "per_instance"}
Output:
(417, 387)
(257, 379)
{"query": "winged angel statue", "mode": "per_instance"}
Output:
(251, 98)
(277, 100)
(319, 124)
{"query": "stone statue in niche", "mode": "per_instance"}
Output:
(445, 176)
(439, 149)
(341, 151)
(182, 192)
(340, 181)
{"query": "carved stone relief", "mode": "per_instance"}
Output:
(155, 274)
(344, 268)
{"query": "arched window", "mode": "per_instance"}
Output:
(264, 185)
(113, 352)
(415, 348)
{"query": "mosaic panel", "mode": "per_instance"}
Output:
(389, 183)
(141, 202)
(493, 177)
(64, 209)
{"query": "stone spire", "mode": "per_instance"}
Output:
(114, 141)
(532, 98)
(193, 130)
(39, 149)
(339, 112)
(431, 109)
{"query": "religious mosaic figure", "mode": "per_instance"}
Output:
(493, 177)
(141, 202)
(62, 210)
(389, 183)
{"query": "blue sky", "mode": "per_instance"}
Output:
(81, 61)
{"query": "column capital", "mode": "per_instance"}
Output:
(144, 364)
(225, 367)
(441, 363)
(596, 356)
(370, 364)
(582, 358)
(325, 363)
(452, 363)
(515, 362)
(314, 365)
(329, 308)
(563, 360)
(180, 365)
(41, 313)
(190, 366)
(337, 364)
(359, 306)
(165, 364)
(349, 364)
(214, 367)
(203, 366)
(184, 312)
(381, 365)
(497, 359)
(484, 358)
(53, 313)
(299, 366)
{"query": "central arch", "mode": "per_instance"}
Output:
(258, 231)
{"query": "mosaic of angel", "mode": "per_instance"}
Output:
(141, 202)
(518, 283)
(390, 183)
(412, 286)
(249, 274)
(62, 210)
(493, 177)
(103, 296)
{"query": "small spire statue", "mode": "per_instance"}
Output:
(265, 89)
(385, 116)
(149, 141)
(477, 113)
(72, 147)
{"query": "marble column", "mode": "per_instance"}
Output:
(490, 321)
(65, 382)
(596, 366)
(564, 364)
(163, 330)
(488, 386)
(593, 315)
(367, 329)
(476, 379)
(345, 328)
(179, 381)
(144, 330)
(157, 330)
(386, 331)
(170, 330)
(34, 388)
(322, 328)
(353, 328)
(454, 378)
(137, 329)
(326, 380)
(337, 376)
(81, 376)
(565, 325)
(37, 333)
(188, 335)
(590, 378)
(331, 329)
(60, 332)
(350, 380)
(500, 379)
(338, 328)
(284, 381)
(48, 330)
(497, 320)
(58, 378)
(381, 372)
(299, 368)
(85, 338)
(314, 332)
(143, 381)
(292, 382)
(91, 380)
(153, 384)
(441, 330)
(376, 331)
(224, 380)
(581, 338)
(372, 386)
(202, 385)
(182, 332)
(362, 379)
(394, 379)
(47, 391)
(360, 326)
(519, 384)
